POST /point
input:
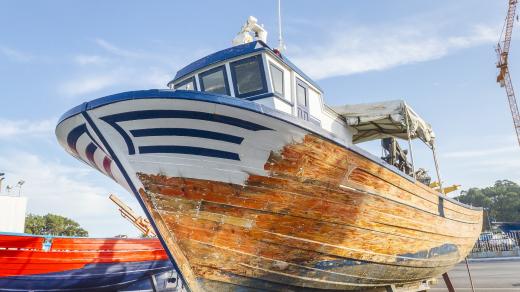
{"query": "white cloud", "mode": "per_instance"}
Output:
(479, 153)
(124, 76)
(372, 49)
(14, 128)
(113, 49)
(15, 55)
(89, 84)
(152, 77)
(491, 158)
(74, 192)
(90, 60)
(128, 69)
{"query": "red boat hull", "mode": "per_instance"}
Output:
(66, 263)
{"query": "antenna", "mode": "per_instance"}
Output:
(281, 46)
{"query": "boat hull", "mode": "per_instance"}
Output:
(244, 196)
(38, 263)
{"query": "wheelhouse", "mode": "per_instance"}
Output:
(255, 72)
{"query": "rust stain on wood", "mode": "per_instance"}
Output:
(325, 217)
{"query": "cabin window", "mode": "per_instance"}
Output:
(248, 76)
(188, 84)
(302, 99)
(214, 81)
(277, 79)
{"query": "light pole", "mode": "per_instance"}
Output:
(19, 185)
(2, 177)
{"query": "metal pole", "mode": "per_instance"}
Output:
(469, 273)
(447, 280)
(410, 144)
(280, 37)
(153, 282)
(437, 168)
(488, 219)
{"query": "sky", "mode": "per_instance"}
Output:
(438, 55)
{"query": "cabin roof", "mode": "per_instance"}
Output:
(237, 51)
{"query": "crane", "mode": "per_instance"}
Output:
(139, 222)
(503, 78)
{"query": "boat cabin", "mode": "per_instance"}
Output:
(255, 72)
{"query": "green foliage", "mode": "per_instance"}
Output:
(501, 201)
(52, 224)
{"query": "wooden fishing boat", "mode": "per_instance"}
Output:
(252, 182)
(44, 263)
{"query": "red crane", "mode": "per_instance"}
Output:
(503, 78)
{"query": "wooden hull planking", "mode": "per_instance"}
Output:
(325, 218)
(246, 197)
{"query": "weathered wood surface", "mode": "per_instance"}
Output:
(324, 218)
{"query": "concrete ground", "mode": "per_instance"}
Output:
(488, 276)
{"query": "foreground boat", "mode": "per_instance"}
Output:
(252, 182)
(42, 263)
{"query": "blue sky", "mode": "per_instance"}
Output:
(437, 55)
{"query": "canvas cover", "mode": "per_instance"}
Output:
(385, 119)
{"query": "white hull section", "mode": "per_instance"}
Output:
(177, 138)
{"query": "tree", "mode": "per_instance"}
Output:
(52, 224)
(501, 201)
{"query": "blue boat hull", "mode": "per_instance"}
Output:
(92, 277)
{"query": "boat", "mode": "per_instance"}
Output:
(52, 263)
(253, 183)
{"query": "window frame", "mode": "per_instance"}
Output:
(304, 108)
(186, 81)
(302, 83)
(263, 77)
(271, 65)
(213, 70)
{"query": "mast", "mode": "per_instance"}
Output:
(281, 45)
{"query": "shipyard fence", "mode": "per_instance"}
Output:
(497, 244)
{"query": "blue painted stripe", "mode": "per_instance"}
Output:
(73, 136)
(182, 114)
(443, 252)
(122, 132)
(187, 133)
(134, 190)
(189, 150)
(437, 251)
(91, 149)
(244, 105)
(113, 120)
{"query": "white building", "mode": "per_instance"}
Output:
(12, 213)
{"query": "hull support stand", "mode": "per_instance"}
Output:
(469, 274)
(448, 282)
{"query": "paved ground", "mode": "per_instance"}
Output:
(488, 276)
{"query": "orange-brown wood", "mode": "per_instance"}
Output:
(325, 217)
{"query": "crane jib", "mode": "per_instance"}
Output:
(503, 78)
